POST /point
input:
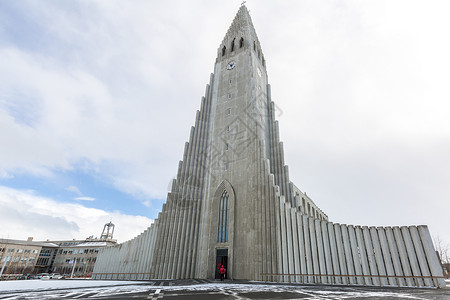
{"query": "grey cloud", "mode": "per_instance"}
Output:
(36, 224)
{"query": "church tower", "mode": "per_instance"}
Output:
(237, 147)
(232, 202)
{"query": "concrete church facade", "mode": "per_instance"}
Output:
(232, 202)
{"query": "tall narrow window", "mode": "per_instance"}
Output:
(223, 50)
(254, 45)
(232, 45)
(241, 42)
(223, 218)
(229, 111)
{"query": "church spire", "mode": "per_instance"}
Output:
(240, 34)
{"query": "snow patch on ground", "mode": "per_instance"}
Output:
(252, 288)
(25, 285)
(49, 289)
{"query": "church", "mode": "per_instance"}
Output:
(232, 202)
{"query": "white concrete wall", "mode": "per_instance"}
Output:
(328, 253)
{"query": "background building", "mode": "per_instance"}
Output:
(79, 256)
(26, 257)
(46, 258)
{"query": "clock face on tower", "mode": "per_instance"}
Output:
(231, 65)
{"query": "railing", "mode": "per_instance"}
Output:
(344, 279)
(121, 276)
(348, 275)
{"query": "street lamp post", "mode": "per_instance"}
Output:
(73, 269)
(4, 264)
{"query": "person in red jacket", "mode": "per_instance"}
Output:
(222, 273)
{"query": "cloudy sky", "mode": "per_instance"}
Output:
(97, 99)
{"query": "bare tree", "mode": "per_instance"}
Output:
(443, 249)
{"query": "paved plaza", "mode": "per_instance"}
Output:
(202, 289)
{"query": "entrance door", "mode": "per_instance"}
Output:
(221, 260)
